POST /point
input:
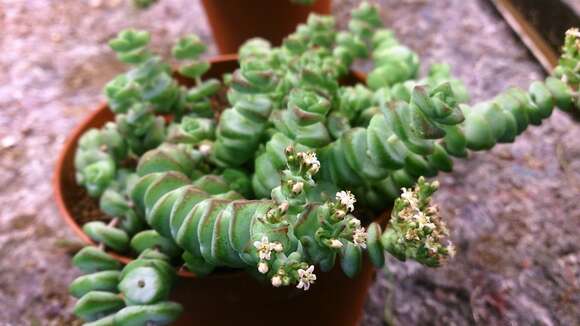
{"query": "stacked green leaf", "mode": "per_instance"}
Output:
(241, 127)
(394, 63)
(97, 157)
(134, 295)
(217, 228)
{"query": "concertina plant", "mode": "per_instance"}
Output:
(268, 184)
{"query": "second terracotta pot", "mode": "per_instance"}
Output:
(234, 21)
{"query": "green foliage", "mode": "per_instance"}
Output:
(241, 127)
(190, 48)
(256, 185)
(394, 63)
(303, 120)
(110, 236)
(216, 228)
(135, 295)
(131, 46)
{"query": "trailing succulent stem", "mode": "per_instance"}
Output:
(267, 182)
(278, 237)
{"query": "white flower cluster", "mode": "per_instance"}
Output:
(573, 32)
(306, 277)
(409, 196)
(424, 225)
(265, 248)
(346, 199)
(310, 160)
(359, 237)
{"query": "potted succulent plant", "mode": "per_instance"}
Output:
(233, 22)
(198, 179)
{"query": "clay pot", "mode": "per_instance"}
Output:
(234, 21)
(231, 298)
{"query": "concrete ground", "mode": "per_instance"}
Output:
(513, 212)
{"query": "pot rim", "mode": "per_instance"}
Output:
(71, 143)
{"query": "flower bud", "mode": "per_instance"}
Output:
(205, 149)
(297, 187)
(334, 243)
(277, 246)
(435, 184)
(263, 267)
(276, 281)
(354, 223)
(283, 208)
(314, 169)
(340, 213)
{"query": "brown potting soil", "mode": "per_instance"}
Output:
(87, 209)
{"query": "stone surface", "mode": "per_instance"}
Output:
(514, 211)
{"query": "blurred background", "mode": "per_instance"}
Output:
(514, 212)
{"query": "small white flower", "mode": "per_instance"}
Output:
(408, 213)
(435, 184)
(431, 245)
(263, 267)
(264, 248)
(314, 169)
(306, 277)
(412, 234)
(409, 196)
(573, 32)
(297, 187)
(346, 199)
(276, 281)
(336, 244)
(311, 159)
(430, 226)
(359, 237)
(205, 149)
(423, 221)
(276, 246)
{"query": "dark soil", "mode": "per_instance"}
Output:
(513, 212)
(86, 209)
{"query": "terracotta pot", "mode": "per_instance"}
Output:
(234, 297)
(234, 21)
